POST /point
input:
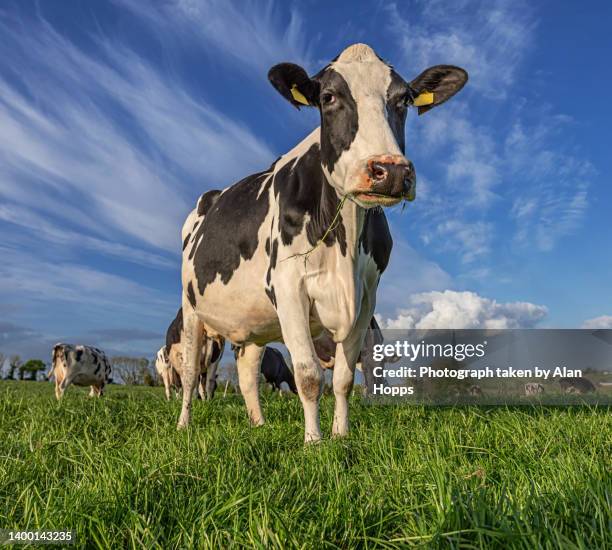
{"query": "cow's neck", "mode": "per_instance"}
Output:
(352, 218)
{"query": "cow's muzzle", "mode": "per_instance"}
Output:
(388, 180)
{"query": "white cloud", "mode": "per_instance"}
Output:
(603, 321)
(464, 310)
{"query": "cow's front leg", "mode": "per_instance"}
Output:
(248, 364)
(293, 314)
(347, 353)
(193, 335)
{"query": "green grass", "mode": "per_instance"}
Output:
(116, 471)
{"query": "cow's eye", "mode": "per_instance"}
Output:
(405, 101)
(327, 98)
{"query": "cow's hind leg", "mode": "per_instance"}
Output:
(193, 334)
(248, 364)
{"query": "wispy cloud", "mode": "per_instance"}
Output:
(108, 138)
(489, 39)
(500, 165)
(554, 205)
(259, 36)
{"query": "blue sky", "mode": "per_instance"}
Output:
(115, 117)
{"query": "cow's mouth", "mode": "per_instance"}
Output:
(378, 198)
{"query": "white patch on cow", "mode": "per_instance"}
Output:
(368, 79)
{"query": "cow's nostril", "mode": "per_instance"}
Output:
(379, 172)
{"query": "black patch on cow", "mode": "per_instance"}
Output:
(216, 352)
(173, 334)
(191, 295)
(95, 359)
(271, 295)
(339, 121)
(301, 188)
(268, 246)
(98, 367)
(228, 233)
(376, 238)
(186, 241)
(78, 354)
(272, 264)
(398, 93)
(206, 201)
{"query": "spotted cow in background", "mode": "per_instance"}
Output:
(168, 375)
(297, 249)
(576, 384)
(79, 365)
(533, 388)
(210, 356)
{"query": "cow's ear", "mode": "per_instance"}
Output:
(293, 83)
(436, 85)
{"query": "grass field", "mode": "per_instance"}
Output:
(116, 471)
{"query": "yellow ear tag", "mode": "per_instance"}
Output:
(426, 98)
(297, 95)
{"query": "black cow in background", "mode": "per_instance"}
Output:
(576, 384)
(274, 368)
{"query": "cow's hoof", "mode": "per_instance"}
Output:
(312, 439)
(257, 423)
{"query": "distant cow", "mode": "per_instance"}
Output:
(212, 350)
(168, 375)
(576, 384)
(475, 391)
(533, 388)
(79, 365)
(274, 368)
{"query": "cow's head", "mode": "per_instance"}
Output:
(59, 356)
(363, 104)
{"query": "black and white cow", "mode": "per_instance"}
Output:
(246, 275)
(209, 358)
(274, 368)
(169, 376)
(79, 365)
(576, 384)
